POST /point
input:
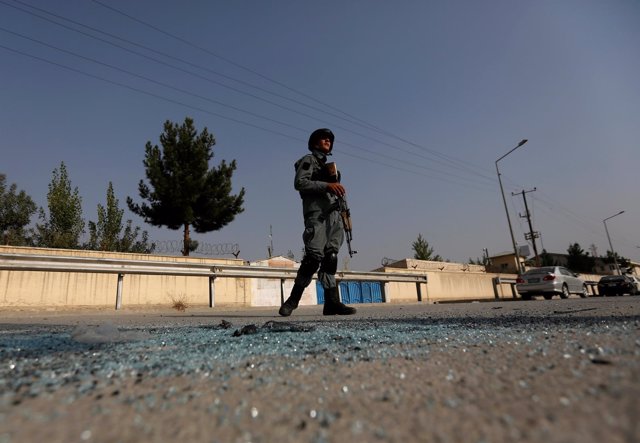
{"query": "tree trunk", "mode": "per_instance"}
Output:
(187, 240)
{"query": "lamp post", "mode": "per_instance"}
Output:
(504, 200)
(613, 254)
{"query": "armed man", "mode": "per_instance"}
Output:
(318, 183)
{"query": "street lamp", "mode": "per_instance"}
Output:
(513, 240)
(615, 261)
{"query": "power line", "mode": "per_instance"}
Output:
(242, 122)
(148, 79)
(560, 211)
(225, 59)
(435, 153)
(169, 56)
(216, 101)
(450, 159)
(151, 94)
(457, 162)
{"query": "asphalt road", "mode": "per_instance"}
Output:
(553, 371)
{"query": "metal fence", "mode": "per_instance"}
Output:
(499, 281)
(122, 267)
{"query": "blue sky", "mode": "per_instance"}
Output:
(423, 96)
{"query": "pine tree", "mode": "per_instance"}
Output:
(16, 209)
(422, 250)
(612, 257)
(105, 234)
(546, 259)
(578, 260)
(182, 190)
(64, 225)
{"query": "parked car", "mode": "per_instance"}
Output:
(617, 285)
(548, 281)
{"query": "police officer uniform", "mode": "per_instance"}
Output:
(323, 232)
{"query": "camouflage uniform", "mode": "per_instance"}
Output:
(323, 232)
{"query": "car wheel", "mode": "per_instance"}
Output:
(565, 292)
(585, 292)
(548, 296)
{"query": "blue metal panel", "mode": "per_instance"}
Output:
(345, 297)
(376, 292)
(366, 292)
(355, 292)
(320, 292)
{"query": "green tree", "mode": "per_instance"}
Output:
(16, 209)
(422, 250)
(105, 234)
(546, 259)
(622, 261)
(64, 225)
(578, 260)
(182, 190)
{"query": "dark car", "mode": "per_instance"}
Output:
(616, 285)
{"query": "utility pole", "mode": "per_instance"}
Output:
(485, 256)
(519, 266)
(613, 254)
(532, 234)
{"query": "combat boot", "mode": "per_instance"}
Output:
(333, 306)
(292, 302)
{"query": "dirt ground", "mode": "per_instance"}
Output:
(552, 371)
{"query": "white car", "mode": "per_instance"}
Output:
(548, 281)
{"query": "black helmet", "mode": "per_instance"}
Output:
(315, 135)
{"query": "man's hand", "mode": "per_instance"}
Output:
(336, 189)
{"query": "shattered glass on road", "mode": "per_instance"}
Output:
(488, 361)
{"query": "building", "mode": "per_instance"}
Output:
(505, 263)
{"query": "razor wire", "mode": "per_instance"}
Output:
(209, 249)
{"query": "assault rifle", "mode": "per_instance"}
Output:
(345, 214)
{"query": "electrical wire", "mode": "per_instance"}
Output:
(450, 162)
(242, 122)
(547, 203)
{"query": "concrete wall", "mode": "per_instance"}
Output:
(37, 289)
(451, 282)
(446, 282)
(447, 286)
(267, 291)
